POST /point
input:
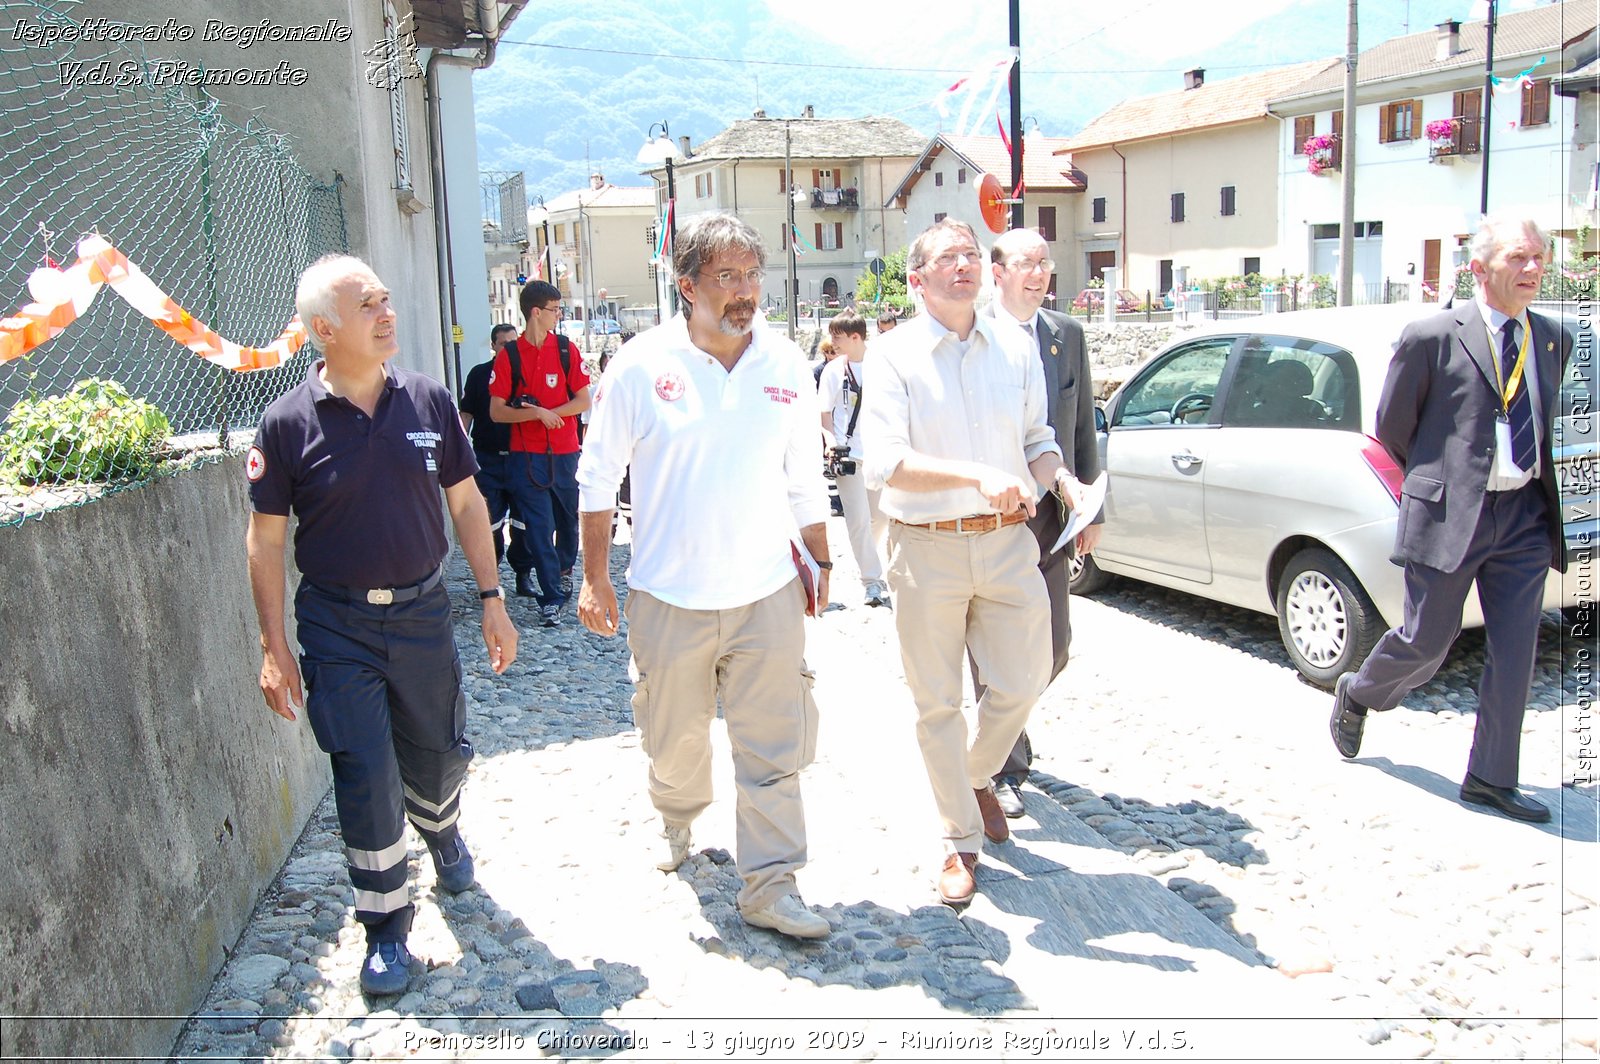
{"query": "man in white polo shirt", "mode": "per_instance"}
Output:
(716, 417)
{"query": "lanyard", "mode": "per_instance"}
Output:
(1508, 388)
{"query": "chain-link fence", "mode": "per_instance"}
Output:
(221, 217)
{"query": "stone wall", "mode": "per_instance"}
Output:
(150, 796)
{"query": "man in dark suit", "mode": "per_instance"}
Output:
(1021, 263)
(1466, 412)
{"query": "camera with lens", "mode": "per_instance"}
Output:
(838, 462)
(519, 402)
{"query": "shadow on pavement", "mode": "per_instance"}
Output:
(1557, 675)
(1572, 816)
(871, 945)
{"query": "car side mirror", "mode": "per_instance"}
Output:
(1100, 421)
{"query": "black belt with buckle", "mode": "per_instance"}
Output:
(383, 596)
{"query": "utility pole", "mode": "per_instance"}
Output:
(788, 237)
(1347, 167)
(1488, 107)
(1016, 112)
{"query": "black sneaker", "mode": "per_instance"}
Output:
(550, 616)
(525, 585)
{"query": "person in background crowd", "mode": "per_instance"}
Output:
(491, 446)
(539, 387)
(1020, 262)
(840, 392)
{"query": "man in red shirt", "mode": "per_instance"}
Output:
(540, 394)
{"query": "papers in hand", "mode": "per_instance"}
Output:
(1094, 497)
(810, 575)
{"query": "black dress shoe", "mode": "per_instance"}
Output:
(526, 587)
(1346, 723)
(1009, 797)
(1510, 801)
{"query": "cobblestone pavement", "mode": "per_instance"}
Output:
(1312, 908)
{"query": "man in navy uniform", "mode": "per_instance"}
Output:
(491, 446)
(359, 452)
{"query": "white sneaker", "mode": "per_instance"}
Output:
(877, 594)
(677, 847)
(789, 915)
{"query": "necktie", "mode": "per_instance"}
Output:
(1028, 328)
(1520, 411)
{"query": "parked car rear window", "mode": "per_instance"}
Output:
(1291, 383)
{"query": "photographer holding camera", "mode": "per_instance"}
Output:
(840, 394)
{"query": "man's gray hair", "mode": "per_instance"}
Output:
(1497, 229)
(921, 247)
(313, 295)
(705, 236)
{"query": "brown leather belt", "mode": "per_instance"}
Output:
(973, 522)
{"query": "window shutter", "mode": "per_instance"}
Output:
(838, 234)
(1305, 127)
(816, 179)
(818, 240)
(1385, 122)
(836, 176)
(1416, 120)
(783, 182)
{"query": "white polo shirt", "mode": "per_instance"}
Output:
(725, 465)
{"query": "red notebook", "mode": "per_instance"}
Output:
(810, 575)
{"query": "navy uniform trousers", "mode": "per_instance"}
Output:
(1508, 557)
(494, 483)
(383, 694)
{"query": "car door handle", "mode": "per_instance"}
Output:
(1185, 460)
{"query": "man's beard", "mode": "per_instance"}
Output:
(730, 328)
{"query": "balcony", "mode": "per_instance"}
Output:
(835, 199)
(1451, 138)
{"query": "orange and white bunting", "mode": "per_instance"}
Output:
(61, 296)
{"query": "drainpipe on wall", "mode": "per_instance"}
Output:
(489, 20)
(1122, 255)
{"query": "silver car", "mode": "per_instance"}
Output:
(1244, 468)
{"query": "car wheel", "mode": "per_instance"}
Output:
(1327, 622)
(1084, 577)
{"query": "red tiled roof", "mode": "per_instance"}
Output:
(1041, 170)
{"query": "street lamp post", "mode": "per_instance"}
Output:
(792, 198)
(662, 150)
(540, 216)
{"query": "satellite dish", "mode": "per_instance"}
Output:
(992, 203)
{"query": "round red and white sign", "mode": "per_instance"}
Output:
(255, 465)
(670, 387)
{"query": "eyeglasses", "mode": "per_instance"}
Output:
(949, 258)
(733, 280)
(1025, 265)
(554, 308)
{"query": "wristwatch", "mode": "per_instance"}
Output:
(824, 565)
(493, 593)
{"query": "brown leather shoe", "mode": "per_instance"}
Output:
(956, 882)
(995, 828)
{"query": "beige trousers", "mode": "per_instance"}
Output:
(753, 657)
(955, 591)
